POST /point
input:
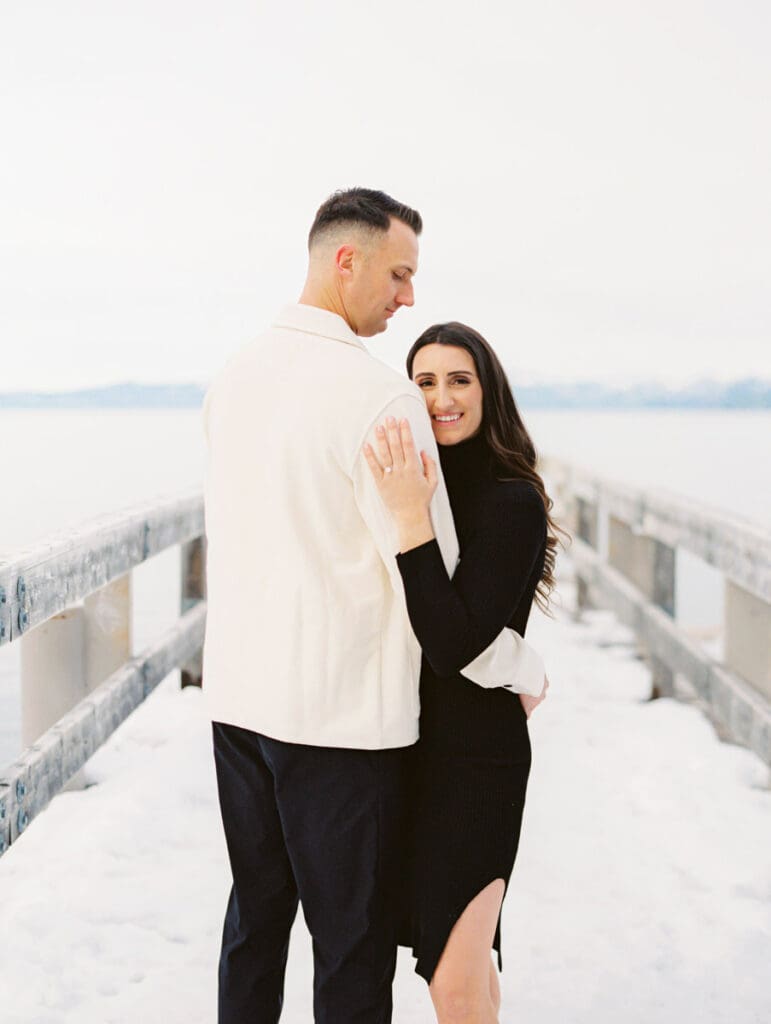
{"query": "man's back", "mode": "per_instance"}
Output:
(307, 635)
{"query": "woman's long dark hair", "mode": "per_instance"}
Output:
(506, 435)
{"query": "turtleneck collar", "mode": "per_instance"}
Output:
(467, 462)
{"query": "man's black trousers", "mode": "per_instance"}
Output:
(323, 825)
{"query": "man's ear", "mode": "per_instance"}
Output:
(344, 259)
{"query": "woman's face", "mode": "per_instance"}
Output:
(450, 384)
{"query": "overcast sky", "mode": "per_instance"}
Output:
(593, 176)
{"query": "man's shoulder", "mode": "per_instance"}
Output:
(353, 366)
(393, 384)
(352, 374)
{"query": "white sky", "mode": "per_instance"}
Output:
(593, 176)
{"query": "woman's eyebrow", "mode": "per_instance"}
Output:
(450, 373)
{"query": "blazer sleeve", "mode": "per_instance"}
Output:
(456, 618)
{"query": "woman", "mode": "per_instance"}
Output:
(472, 761)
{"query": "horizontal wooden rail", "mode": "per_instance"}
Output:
(740, 549)
(53, 576)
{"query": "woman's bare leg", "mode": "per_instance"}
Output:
(495, 988)
(461, 986)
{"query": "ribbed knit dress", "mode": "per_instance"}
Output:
(469, 769)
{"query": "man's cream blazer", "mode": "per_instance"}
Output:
(307, 634)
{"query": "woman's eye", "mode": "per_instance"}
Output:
(461, 380)
(424, 383)
(399, 277)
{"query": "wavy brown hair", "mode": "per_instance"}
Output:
(504, 430)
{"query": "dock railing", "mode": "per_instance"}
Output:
(69, 603)
(624, 548)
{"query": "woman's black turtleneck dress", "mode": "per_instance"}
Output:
(471, 764)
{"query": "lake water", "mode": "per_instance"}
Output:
(61, 468)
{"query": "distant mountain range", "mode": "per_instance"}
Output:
(750, 393)
(116, 396)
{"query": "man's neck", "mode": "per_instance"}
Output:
(324, 298)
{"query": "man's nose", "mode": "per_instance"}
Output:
(406, 295)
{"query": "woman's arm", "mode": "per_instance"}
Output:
(456, 619)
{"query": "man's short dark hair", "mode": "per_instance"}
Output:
(366, 207)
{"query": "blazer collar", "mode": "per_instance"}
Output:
(313, 320)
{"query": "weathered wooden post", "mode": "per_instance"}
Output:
(69, 655)
(108, 630)
(53, 672)
(662, 593)
(586, 527)
(650, 565)
(748, 636)
(193, 590)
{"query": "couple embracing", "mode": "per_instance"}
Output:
(375, 543)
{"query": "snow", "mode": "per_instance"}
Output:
(642, 891)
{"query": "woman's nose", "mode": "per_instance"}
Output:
(442, 400)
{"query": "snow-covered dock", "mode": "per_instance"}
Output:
(642, 891)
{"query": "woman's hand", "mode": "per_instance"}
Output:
(531, 703)
(406, 483)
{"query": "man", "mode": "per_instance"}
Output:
(310, 665)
